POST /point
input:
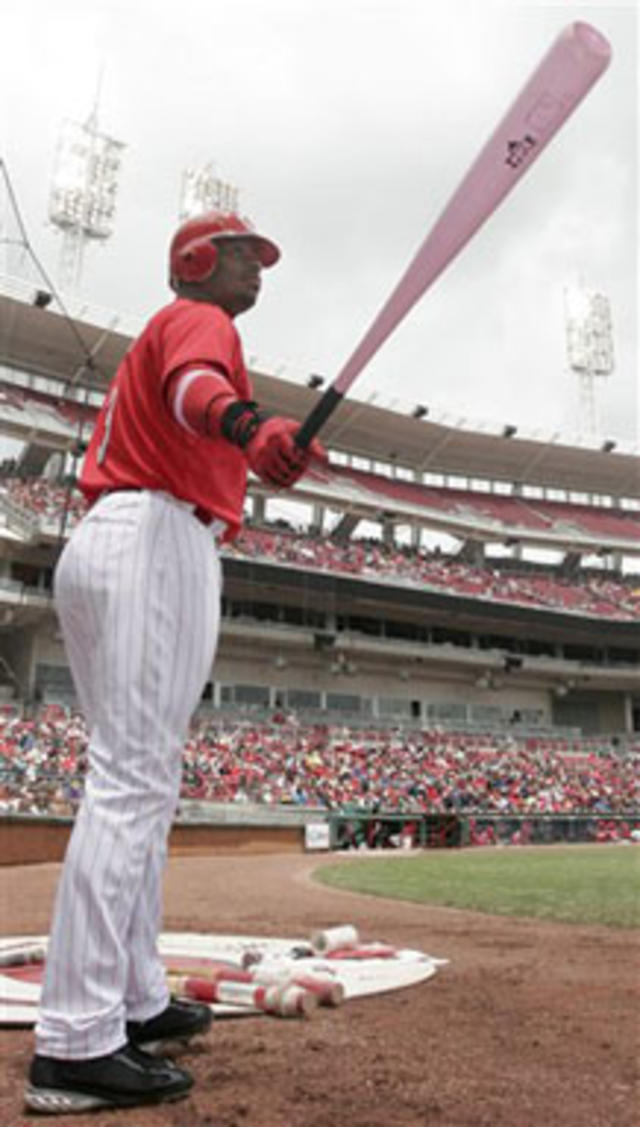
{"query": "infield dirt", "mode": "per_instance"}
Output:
(530, 1024)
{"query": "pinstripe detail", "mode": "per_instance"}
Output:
(137, 593)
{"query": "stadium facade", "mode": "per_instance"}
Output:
(319, 620)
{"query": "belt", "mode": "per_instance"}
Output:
(206, 518)
(203, 516)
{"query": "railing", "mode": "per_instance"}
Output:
(17, 518)
(436, 831)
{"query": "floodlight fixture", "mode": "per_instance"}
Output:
(315, 381)
(203, 190)
(589, 338)
(509, 430)
(84, 188)
(589, 331)
(420, 411)
(85, 180)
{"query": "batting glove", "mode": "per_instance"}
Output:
(274, 456)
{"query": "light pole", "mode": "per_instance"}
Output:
(82, 202)
(589, 346)
(202, 190)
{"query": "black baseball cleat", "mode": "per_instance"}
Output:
(178, 1023)
(126, 1078)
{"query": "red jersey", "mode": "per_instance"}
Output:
(138, 443)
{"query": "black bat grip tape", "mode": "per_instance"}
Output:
(318, 417)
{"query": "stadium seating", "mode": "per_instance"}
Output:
(284, 762)
(603, 597)
(44, 499)
(598, 596)
(507, 511)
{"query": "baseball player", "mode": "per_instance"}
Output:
(137, 591)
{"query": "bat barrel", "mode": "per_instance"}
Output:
(591, 40)
(575, 61)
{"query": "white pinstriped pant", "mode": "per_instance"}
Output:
(137, 592)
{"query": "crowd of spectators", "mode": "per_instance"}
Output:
(45, 499)
(595, 595)
(601, 596)
(42, 762)
(286, 763)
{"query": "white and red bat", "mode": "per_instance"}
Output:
(280, 999)
(328, 991)
(565, 75)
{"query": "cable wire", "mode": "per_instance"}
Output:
(89, 362)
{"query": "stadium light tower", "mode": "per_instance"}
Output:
(82, 202)
(202, 190)
(589, 346)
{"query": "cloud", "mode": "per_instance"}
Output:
(346, 126)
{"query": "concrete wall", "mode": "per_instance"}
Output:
(422, 685)
(25, 841)
(298, 665)
(18, 650)
(593, 712)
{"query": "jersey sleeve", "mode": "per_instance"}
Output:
(197, 333)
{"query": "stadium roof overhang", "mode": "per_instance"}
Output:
(42, 342)
(454, 452)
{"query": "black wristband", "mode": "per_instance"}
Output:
(241, 420)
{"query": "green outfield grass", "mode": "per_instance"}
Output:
(586, 885)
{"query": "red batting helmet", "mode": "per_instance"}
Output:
(193, 254)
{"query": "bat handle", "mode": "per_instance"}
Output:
(318, 416)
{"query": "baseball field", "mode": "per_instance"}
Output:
(586, 884)
(533, 1020)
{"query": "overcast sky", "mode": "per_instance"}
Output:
(346, 125)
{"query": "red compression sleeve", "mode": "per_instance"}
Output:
(197, 397)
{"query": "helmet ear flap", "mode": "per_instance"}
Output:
(193, 254)
(196, 260)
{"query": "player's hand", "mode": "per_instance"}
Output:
(275, 458)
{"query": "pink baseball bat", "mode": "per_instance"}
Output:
(574, 62)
